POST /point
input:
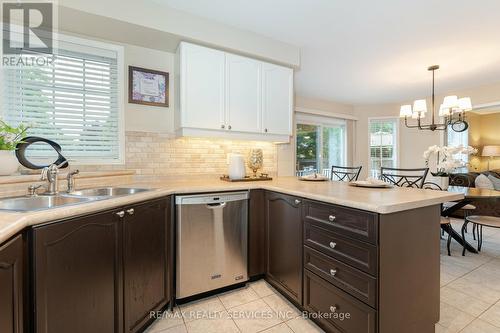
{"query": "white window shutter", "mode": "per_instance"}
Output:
(74, 101)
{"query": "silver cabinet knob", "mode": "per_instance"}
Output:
(222, 126)
(120, 213)
(265, 130)
(229, 127)
(331, 218)
(297, 201)
(333, 244)
(333, 308)
(333, 272)
(130, 211)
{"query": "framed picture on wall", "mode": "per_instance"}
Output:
(147, 87)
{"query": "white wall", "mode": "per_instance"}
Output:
(143, 117)
(412, 142)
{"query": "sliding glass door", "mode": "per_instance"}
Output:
(319, 146)
(308, 148)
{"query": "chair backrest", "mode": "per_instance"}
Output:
(404, 177)
(432, 186)
(343, 173)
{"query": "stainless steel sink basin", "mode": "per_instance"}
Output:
(107, 192)
(24, 204)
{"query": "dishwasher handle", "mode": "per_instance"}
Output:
(216, 205)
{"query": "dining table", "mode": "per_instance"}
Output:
(471, 194)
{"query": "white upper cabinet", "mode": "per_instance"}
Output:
(202, 87)
(277, 94)
(243, 94)
(230, 96)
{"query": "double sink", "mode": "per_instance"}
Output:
(42, 202)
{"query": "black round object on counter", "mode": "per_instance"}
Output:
(21, 147)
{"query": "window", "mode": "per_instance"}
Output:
(383, 136)
(321, 143)
(75, 100)
(456, 139)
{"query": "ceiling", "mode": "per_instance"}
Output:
(366, 51)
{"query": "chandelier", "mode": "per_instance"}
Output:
(452, 110)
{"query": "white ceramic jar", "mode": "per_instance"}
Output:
(236, 169)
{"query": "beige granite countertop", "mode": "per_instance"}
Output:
(383, 201)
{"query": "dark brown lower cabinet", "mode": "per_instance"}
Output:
(284, 244)
(145, 254)
(11, 286)
(103, 272)
(336, 310)
(77, 275)
(257, 234)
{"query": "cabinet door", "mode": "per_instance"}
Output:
(284, 243)
(145, 230)
(202, 87)
(11, 286)
(243, 94)
(77, 275)
(277, 94)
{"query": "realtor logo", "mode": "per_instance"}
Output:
(27, 27)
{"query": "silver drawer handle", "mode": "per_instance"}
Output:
(333, 272)
(331, 218)
(333, 244)
(297, 201)
(120, 213)
(130, 211)
(333, 308)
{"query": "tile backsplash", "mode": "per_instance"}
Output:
(158, 155)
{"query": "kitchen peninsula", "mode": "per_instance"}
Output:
(328, 247)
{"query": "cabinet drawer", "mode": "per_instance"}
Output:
(345, 221)
(355, 253)
(358, 284)
(337, 310)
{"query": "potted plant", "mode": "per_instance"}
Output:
(9, 138)
(448, 158)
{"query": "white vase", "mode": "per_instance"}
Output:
(445, 182)
(8, 162)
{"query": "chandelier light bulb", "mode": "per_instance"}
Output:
(405, 111)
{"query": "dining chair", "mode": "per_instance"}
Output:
(446, 224)
(432, 186)
(480, 221)
(344, 173)
(404, 177)
(457, 180)
(445, 220)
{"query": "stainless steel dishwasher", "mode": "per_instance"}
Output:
(212, 241)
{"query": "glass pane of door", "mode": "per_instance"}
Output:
(333, 147)
(307, 149)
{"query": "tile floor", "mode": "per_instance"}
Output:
(470, 286)
(470, 300)
(258, 307)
